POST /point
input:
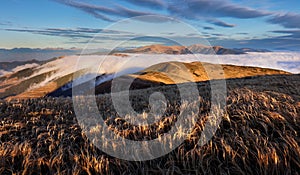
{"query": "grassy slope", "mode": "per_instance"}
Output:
(178, 72)
(258, 135)
(42, 90)
(22, 86)
(198, 71)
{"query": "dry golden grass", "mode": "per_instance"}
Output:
(197, 71)
(259, 134)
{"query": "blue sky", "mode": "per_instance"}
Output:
(269, 24)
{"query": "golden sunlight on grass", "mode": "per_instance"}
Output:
(259, 134)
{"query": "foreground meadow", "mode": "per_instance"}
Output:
(259, 134)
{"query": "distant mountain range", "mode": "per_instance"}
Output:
(250, 50)
(192, 49)
(24, 54)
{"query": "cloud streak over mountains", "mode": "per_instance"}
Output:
(87, 33)
(290, 39)
(214, 12)
(222, 22)
(209, 11)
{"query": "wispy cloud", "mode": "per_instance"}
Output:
(273, 43)
(220, 23)
(90, 9)
(74, 33)
(148, 3)
(102, 12)
(292, 34)
(214, 8)
(126, 12)
(211, 11)
(206, 10)
(288, 20)
(214, 14)
(5, 23)
(208, 28)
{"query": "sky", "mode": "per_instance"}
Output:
(266, 24)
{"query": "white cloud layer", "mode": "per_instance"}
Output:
(101, 64)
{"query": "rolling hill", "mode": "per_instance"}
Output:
(54, 77)
(54, 82)
(176, 50)
(178, 72)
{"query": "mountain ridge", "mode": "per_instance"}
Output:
(192, 49)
